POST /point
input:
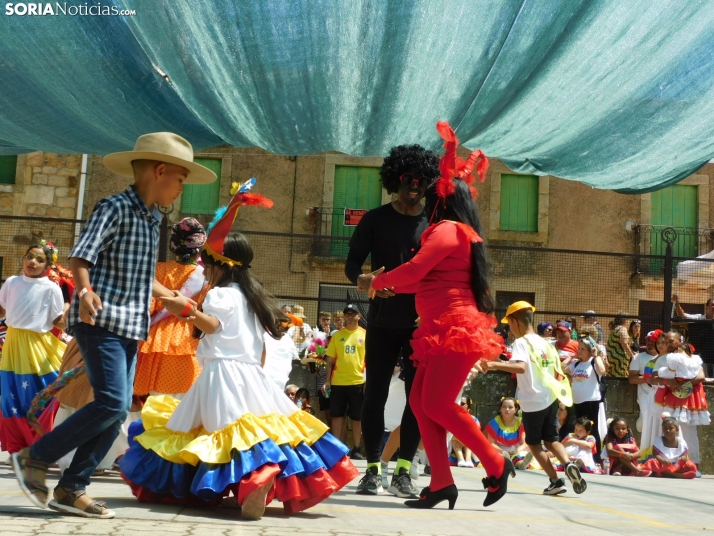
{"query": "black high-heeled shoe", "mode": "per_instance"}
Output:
(429, 499)
(499, 485)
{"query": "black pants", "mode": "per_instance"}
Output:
(591, 410)
(382, 349)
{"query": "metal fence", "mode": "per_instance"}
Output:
(308, 270)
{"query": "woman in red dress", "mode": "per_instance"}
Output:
(453, 300)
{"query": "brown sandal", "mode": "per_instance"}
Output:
(31, 477)
(64, 501)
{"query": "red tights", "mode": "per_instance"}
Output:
(433, 400)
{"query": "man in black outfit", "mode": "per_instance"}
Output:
(391, 234)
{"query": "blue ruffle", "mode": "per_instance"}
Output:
(209, 481)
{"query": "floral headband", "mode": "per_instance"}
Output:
(53, 251)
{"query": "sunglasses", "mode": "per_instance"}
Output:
(409, 179)
(31, 256)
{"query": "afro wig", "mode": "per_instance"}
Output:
(404, 158)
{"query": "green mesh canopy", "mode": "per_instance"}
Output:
(616, 94)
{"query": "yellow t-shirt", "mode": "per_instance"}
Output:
(347, 348)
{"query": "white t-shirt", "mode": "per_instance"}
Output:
(279, 357)
(31, 302)
(239, 335)
(584, 382)
(638, 363)
(532, 394)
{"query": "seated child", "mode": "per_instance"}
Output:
(460, 454)
(668, 458)
(580, 445)
(506, 433)
(622, 449)
(302, 398)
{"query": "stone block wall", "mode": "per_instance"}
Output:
(50, 183)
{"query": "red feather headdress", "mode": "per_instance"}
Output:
(221, 225)
(453, 166)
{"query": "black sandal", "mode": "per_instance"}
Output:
(65, 499)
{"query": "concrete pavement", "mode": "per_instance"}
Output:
(619, 505)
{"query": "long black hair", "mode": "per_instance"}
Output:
(236, 247)
(461, 207)
(611, 431)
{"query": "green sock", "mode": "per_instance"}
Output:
(377, 465)
(402, 463)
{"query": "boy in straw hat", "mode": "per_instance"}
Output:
(113, 265)
(541, 384)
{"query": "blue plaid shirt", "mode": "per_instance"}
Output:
(120, 241)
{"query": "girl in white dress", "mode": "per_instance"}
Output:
(581, 444)
(235, 430)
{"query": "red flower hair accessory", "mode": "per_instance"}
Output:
(454, 167)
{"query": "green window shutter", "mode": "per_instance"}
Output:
(355, 187)
(8, 167)
(675, 206)
(203, 198)
(519, 203)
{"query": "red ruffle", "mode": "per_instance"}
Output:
(697, 401)
(459, 331)
(145, 495)
(255, 479)
(298, 494)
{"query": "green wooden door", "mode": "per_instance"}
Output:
(675, 206)
(519, 203)
(357, 188)
(203, 198)
(8, 167)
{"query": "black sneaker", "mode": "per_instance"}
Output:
(371, 483)
(576, 479)
(427, 470)
(555, 488)
(402, 485)
(356, 454)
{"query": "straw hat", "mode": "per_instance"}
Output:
(299, 311)
(164, 147)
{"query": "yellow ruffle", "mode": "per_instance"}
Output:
(216, 447)
(30, 352)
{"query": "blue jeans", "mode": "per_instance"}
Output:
(110, 361)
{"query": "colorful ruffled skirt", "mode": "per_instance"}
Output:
(30, 361)
(233, 432)
(692, 410)
(684, 465)
(461, 330)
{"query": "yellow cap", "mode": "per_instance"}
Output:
(516, 307)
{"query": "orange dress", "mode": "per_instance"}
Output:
(167, 359)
